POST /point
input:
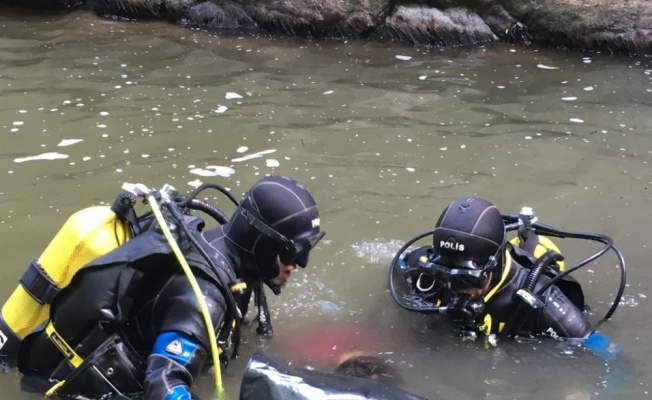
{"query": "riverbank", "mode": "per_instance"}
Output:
(596, 25)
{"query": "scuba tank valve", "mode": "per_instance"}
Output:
(525, 220)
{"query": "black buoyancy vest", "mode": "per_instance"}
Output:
(103, 291)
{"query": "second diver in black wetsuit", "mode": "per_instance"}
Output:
(487, 285)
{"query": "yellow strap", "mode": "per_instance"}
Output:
(63, 347)
(486, 326)
(54, 389)
(508, 266)
(239, 286)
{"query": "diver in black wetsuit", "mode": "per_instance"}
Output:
(129, 325)
(487, 285)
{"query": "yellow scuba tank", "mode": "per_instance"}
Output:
(544, 244)
(86, 235)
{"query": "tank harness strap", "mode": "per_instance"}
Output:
(38, 283)
(227, 336)
(63, 346)
(529, 242)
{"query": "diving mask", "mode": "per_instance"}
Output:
(293, 252)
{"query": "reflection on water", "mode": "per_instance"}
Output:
(383, 135)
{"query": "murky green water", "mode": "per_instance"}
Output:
(384, 136)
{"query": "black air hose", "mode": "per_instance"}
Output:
(546, 259)
(264, 320)
(200, 188)
(209, 209)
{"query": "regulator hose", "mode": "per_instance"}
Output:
(187, 198)
(547, 230)
(210, 209)
(264, 320)
(223, 286)
(549, 257)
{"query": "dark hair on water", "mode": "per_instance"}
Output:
(371, 367)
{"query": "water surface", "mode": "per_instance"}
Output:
(384, 136)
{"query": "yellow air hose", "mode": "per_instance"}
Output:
(195, 288)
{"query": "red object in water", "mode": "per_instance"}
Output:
(328, 344)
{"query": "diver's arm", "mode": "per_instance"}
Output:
(180, 350)
(559, 317)
(175, 360)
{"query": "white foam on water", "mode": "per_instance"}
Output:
(543, 66)
(195, 183)
(272, 163)
(329, 92)
(404, 58)
(569, 98)
(242, 149)
(577, 120)
(254, 155)
(232, 95)
(377, 250)
(220, 109)
(213, 170)
(45, 156)
(69, 142)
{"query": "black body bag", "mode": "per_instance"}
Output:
(266, 378)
